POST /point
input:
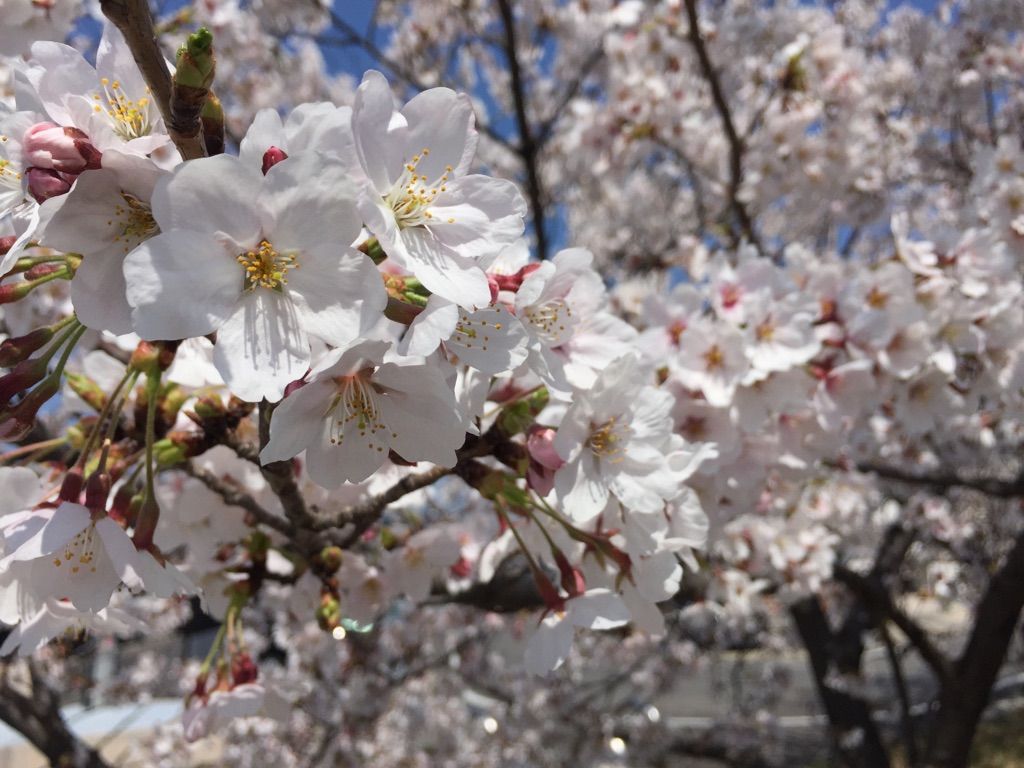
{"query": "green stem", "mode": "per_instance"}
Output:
(105, 412)
(152, 392)
(25, 450)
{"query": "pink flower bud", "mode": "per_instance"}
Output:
(17, 422)
(6, 243)
(512, 282)
(544, 459)
(272, 157)
(44, 183)
(66, 150)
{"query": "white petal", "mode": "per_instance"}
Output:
(181, 284)
(441, 121)
(373, 118)
(261, 348)
(548, 647)
(210, 195)
(308, 200)
(434, 324)
(443, 271)
(598, 609)
(297, 421)
(338, 293)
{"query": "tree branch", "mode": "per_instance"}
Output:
(528, 146)
(36, 716)
(133, 19)
(238, 498)
(943, 481)
(877, 599)
(736, 146)
(353, 37)
(962, 703)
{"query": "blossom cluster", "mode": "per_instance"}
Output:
(319, 380)
(349, 273)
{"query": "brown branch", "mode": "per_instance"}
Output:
(871, 591)
(548, 124)
(354, 37)
(280, 476)
(736, 145)
(528, 146)
(238, 498)
(962, 703)
(943, 481)
(36, 716)
(135, 21)
(848, 714)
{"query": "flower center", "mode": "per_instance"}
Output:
(412, 194)
(266, 267)
(714, 358)
(552, 321)
(79, 552)
(355, 409)
(133, 221)
(607, 440)
(131, 118)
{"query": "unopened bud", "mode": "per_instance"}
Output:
(195, 65)
(17, 422)
(26, 374)
(6, 243)
(177, 447)
(512, 282)
(13, 292)
(44, 183)
(15, 350)
(42, 270)
(88, 390)
(330, 559)
(212, 121)
(66, 150)
(544, 459)
(272, 157)
(151, 357)
(328, 613)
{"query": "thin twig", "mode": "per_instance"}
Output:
(528, 146)
(736, 146)
(238, 498)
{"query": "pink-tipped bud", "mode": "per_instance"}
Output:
(44, 183)
(544, 459)
(272, 157)
(16, 350)
(17, 422)
(65, 150)
(25, 374)
(6, 243)
(512, 282)
(13, 292)
(42, 270)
